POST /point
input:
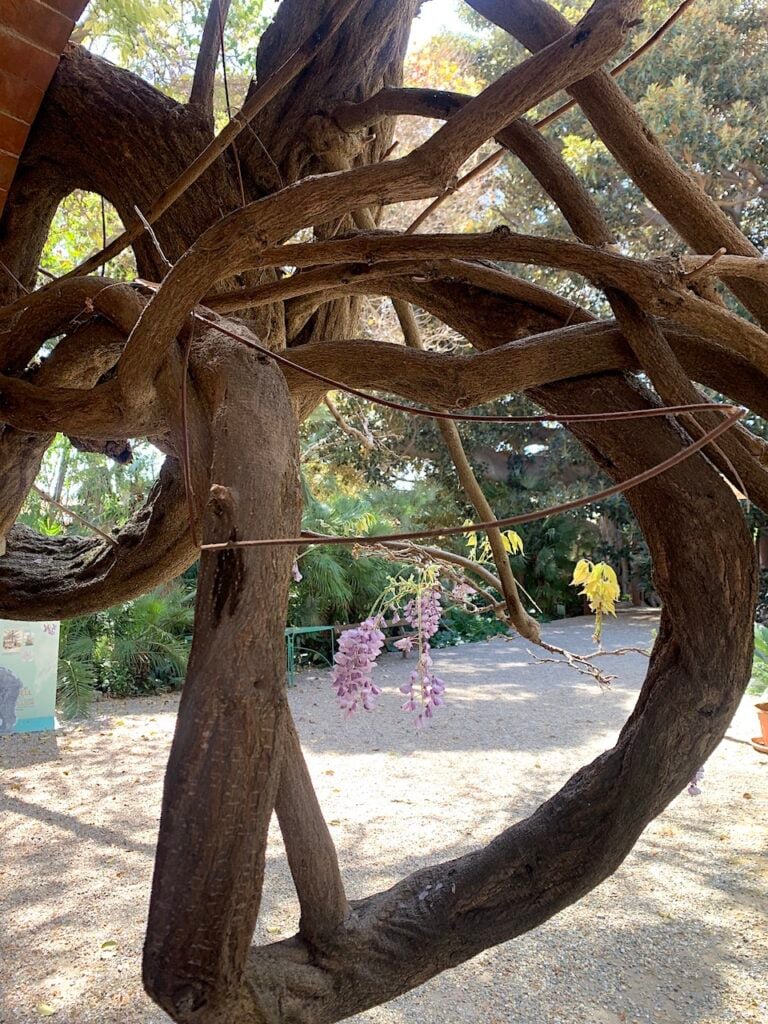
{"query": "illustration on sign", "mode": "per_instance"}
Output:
(29, 653)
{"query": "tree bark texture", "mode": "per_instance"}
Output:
(244, 274)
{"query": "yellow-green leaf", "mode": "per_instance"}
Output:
(513, 542)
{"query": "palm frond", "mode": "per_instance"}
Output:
(76, 687)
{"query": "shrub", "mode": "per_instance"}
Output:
(136, 648)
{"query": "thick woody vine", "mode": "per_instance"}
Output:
(126, 354)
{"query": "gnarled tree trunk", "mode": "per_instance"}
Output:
(166, 363)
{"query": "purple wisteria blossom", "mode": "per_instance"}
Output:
(462, 592)
(296, 572)
(405, 644)
(693, 786)
(424, 690)
(425, 615)
(354, 662)
(359, 648)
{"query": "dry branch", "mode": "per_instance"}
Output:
(518, 616)
(309, 847)
(690, 211)
(204, 78)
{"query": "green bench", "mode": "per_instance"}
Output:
(295, 635)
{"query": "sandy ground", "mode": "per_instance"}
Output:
(678, 936)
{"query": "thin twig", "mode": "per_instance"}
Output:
(151, 232)
(583, 662)
(621, 650)
(358, 435)
(469, 566)
(13, 277)
(702, 271)
(75, 515)
(734, 415)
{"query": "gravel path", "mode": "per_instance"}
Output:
(678, 936)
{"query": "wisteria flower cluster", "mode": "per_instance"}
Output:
(424, 684)
(600, 586)
(424, 611)
(694, 789)
(359, 648)
(463, 592)
(354, 662)
(424, 690)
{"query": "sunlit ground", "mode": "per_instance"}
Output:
(677, 936)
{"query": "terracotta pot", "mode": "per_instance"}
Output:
(762, 714)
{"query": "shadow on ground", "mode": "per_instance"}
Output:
(674, 937)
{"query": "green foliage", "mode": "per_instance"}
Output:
(459, 626)
(77, 679)
(159, 39)
(105, 492)
(78, 230)
(552, 546)
(758, 684)
(702, 88)
(136, 648)
(339, 585)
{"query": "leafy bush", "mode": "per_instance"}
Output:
(132, 649)
(758, 684)
(339, 585)
(459, 626)
(552, 547)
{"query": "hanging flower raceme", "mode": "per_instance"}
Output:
(423, 612)
(600, 586)
(359, 647)
(424, 690)
(694, 789)
(354, 662)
